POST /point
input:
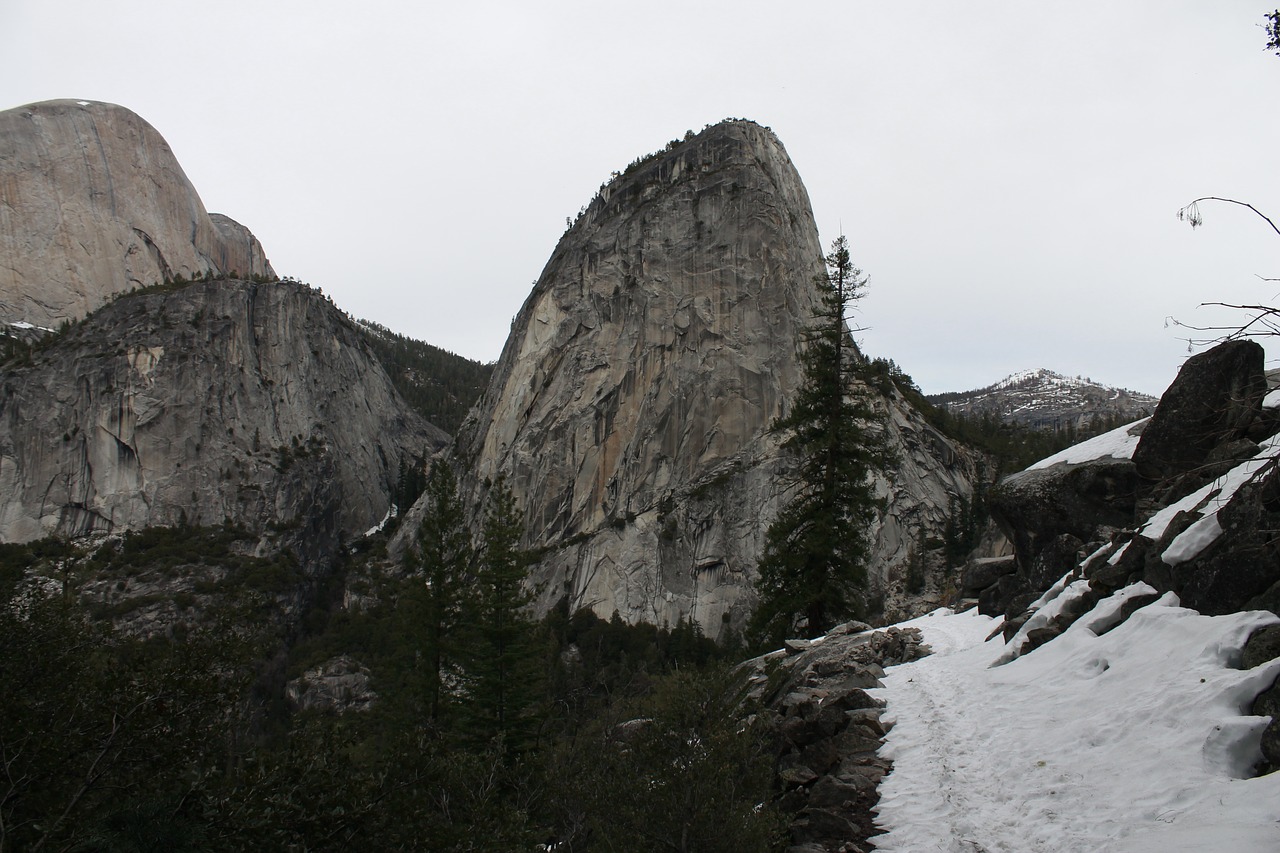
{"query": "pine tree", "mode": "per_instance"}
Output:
(503, 655)
(434, 605)
(815, 559)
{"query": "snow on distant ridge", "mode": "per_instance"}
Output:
(1046, 377)
(1044, 399)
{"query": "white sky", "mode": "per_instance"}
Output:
(1007, 172)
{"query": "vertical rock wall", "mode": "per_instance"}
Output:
(218, 401)
(93, 203)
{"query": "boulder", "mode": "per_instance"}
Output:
(1215, 399)
(1124, 563)
(1262, 646)
(1267, 704)
(982, 573)
(1036, 506)
(1270, 743)
(1008, 596)
(1059, 556)
(1243, 561)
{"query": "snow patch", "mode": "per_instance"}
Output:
(24, 325)
(1135, 741)
(392, 512)
(1207, 500)
(1119, 443)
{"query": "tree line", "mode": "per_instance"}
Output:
(436, 383)
(491, 730)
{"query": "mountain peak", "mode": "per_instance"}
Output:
(1043, 398)
(632, 408)
(99, 205)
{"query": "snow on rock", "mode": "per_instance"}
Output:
(1119, 443)
(1044, 377)
(1135, 741)
(1207, 500)
(392, 512)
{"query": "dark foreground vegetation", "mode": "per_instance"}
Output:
(115, 736)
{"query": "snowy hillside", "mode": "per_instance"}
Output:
(1044, 399)
(1087, 730)
(1135, 739)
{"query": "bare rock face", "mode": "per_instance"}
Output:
(93, 203)
(338, 685)
(221, 400)
(631, 408)
(1214, 400)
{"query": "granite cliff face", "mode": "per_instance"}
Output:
(94, 203)
(220, 400)
(631, 407)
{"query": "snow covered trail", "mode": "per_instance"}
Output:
(1133, 741)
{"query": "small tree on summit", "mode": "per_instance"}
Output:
(816, 553)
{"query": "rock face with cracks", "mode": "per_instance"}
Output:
(631, 408)
(218, 401)
(93, 203)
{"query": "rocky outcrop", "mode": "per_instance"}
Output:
(217, 401)
(1193, 512)
(93, 203)
(829, 729)
(1262, 647)
(1214, 401)
(1036, 506)
(631, 408)
(336, 686)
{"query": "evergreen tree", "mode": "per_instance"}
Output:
(503, 656)
(815, 560)
(434, 606)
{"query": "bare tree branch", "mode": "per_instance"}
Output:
(1192, 216)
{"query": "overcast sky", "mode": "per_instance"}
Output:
(1008, 173)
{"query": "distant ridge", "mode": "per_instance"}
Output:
(1043, 399)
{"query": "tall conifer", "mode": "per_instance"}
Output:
(503, 654)
(814, 565)
(435, 605)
